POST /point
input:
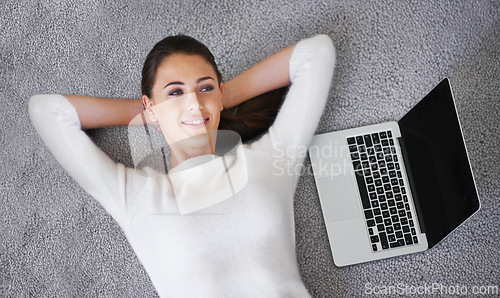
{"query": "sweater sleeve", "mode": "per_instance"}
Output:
(311, 70)
(57, 122)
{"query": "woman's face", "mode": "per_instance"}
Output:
(186, 97)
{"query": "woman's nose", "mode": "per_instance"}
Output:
(192, 102)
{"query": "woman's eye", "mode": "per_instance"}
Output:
(175, 92)
(207, 88)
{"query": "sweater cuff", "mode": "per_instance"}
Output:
(61, 103)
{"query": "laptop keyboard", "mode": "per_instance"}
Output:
(389, 219)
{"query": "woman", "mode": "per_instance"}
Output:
(239, 242)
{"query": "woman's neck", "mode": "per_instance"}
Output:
(192, 147)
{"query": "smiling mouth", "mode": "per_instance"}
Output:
(195, 123)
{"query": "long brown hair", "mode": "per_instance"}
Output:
(249, 119)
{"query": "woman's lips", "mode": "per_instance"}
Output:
(195, 123)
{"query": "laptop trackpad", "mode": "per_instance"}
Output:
(339, 199)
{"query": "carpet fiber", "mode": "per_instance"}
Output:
(55, 240)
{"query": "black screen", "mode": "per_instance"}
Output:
(441, 175)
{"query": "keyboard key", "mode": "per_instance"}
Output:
(402, 213)
(395, 189)
(378, 148)
(401, 182)
(413, 232)
(373, 196)
(385, 143)
(369, 180)
(387, 187)
(383, 206)
(381, 198)
(380, 190)
(362, 190)
(385, 179)
(362, 148)
(368, 214)
(378, 182)
(383, 171)
(370, 151)
(391, 142)
(408, 239)
(380, 227)
(374, 247)
(397, 244)
(393, 210)
(377, 211)
(354, 155)
(393, 150)
(388, 158)
(372, 159)
(392, 174)
(389, 134)
(374, 167)
(381, 163)
(376, 174)
(353, 148)
(351, 141)
(403, 190)
(378, 219)
(387, 222)
(375, 138)
(387, 151)
(397, 197)
(395, 218)
(400, 206)
(394, 181)
(365, 164)
(367, 172)
(390, 166)
(389, 230)
(359, 140)
(397, 226)
(380, 155)
(383, 135)
(370, 231)
(371, 187)
(370, 223)
(374, 204)
(391, 238)
(391, 203)
(415, 239)
(389, 195)
(374, 239)
(399, 234)
(405, 198)
(363, 156)
(385, 214)
(383, 240)
(407, 207)
(403, 220)
(411, 222)
(406, 229)
(368, 140)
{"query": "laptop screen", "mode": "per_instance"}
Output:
(440, 174)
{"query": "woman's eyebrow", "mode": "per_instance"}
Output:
(181, 83)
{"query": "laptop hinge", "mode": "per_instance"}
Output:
(411, 179)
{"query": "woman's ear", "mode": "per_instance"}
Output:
(221, 87)
(148, 105)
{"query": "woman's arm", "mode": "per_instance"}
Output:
(269, 74)
(96, 112)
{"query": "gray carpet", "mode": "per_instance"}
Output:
(56, 241)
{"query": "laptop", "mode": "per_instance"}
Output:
(395, 188)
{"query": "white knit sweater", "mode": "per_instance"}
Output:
(241, 244)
